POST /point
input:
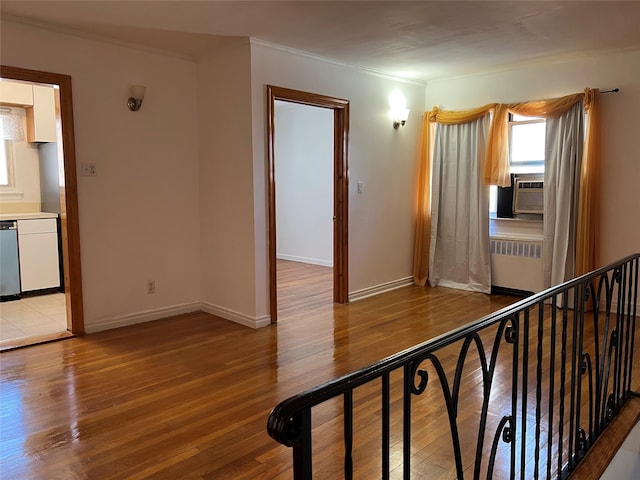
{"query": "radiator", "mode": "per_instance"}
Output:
(516, 264)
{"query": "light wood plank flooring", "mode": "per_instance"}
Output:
(302, 286)
(188, 397)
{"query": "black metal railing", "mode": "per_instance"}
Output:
(522, 393)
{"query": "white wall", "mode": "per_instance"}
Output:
(226, 184)
(620, 219)
(180, 195)
(139, 217)
(304, 183)
(381, 220)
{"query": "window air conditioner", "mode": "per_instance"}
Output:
(528, 195)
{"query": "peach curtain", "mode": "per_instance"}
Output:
(496, 169)
(423, 220)
(589, 206)
(450, 117)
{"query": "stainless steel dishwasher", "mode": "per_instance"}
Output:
(9, 267)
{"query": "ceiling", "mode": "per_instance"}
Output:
(416, 39)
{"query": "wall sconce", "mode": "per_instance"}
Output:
(137, 95)
(399, 112)
(399, 117)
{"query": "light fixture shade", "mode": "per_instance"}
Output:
(402, 114)
(399, 116)
(137, 91)
(399, 112)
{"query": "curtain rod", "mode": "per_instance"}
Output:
(613, 90)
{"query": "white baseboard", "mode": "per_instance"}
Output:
(614, 307)
(312, 261)
(236, 317)
(378, 289)
(149, 315)
(141, 317)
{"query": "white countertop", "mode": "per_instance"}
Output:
(27, 216)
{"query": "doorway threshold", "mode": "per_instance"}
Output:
(15, 343)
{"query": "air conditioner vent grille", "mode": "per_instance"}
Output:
(538, 185)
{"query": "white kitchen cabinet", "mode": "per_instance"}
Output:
(40, 104)
(41, 119)
(16, 93)
(38, 251)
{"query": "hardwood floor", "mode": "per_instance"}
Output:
(302, 286)
(188, 397)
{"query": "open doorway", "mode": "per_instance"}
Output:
(47, 230)
(340, 113)
(303, 154)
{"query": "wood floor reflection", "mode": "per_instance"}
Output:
(188, 396)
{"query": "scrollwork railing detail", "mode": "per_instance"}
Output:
(563, 356)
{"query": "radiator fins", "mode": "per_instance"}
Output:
(516, 249)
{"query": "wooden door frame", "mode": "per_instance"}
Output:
(69, 207)
(340, 109)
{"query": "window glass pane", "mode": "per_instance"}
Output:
(527, 168)
(522, 118)
(493, 199)
(4, 164)
(527, 142)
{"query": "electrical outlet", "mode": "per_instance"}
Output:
(151, 286)
(89, 169)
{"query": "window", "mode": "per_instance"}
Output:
(527, 144)
(12, 129)
(6, 164)
(527, 137)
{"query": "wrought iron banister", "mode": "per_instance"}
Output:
(538, 409)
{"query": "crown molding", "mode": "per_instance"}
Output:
(9, 18)
(330, 61)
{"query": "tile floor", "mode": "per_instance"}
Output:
(33, 316)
